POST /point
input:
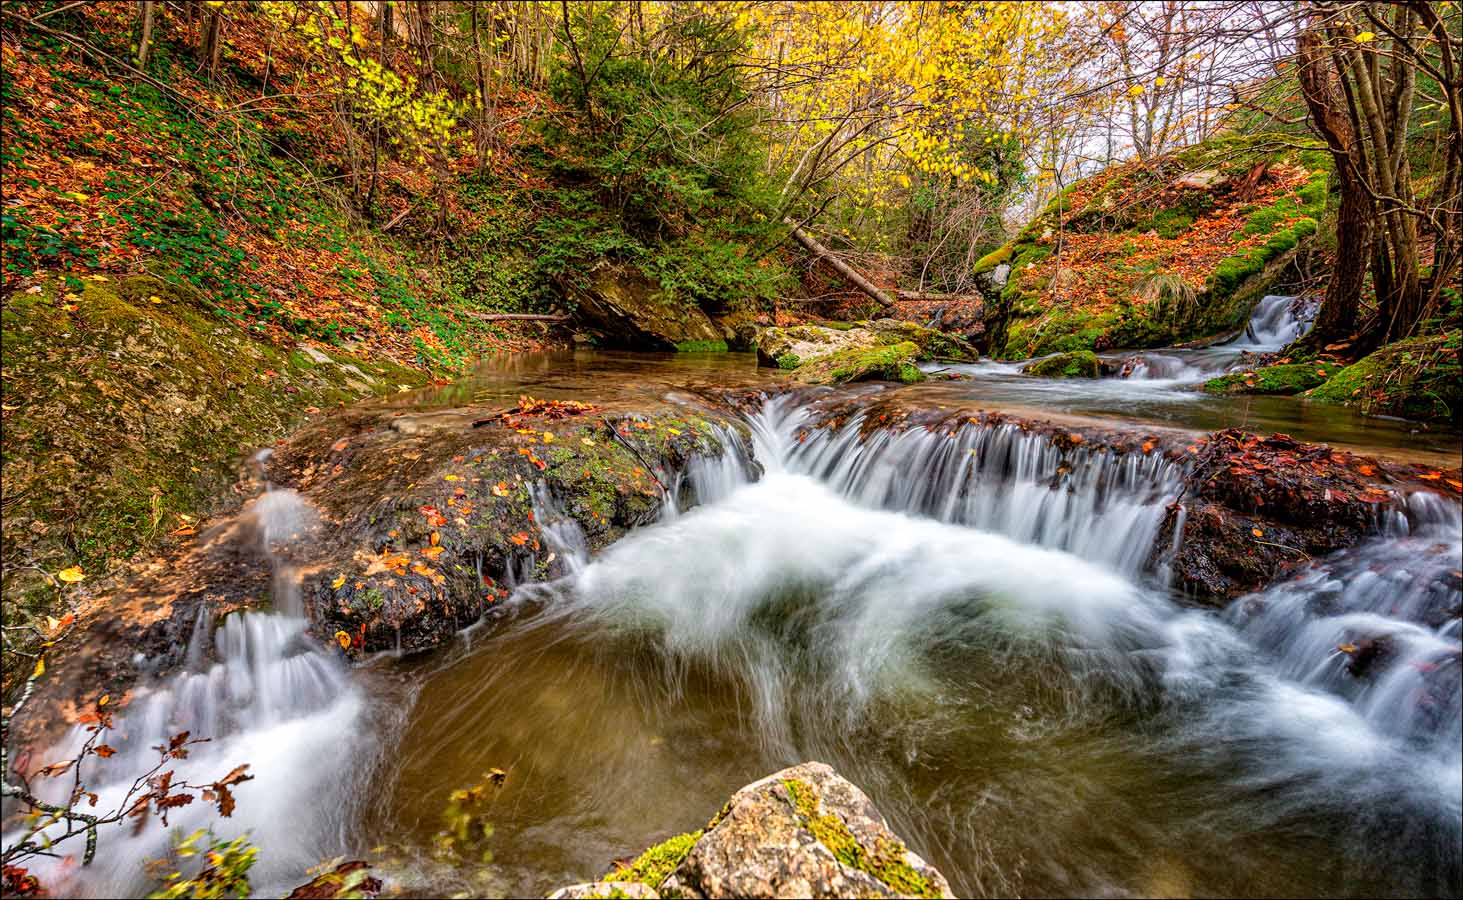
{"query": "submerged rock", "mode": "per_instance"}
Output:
(802, 832)
(1079, 364)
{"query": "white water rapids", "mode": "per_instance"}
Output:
(972, 626)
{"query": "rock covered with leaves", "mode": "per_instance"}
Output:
(802, 832)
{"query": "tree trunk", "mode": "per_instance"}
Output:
(148, 10)
(841, 267)
(213, 45)
(1321, 86)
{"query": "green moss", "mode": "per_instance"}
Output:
(656, 864)
(992, 259)
(886, 862)
(1078, 364)
(1419, 378)
(1291, 378)
(890, 362)
(788, 361)
(701, 347)
(133, 411)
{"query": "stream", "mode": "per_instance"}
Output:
(1029, 704)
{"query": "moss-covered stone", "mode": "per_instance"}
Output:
(890, 362)
(1419, 378)
(656, 864)
(1291, 378)
(701, 347)
(885, 863)
(1077, 364)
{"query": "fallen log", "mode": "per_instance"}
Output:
(518, 317)
(924, 295)
(839, 266)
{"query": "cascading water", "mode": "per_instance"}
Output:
(261, 693)
(962, 621)
(1275, 322)
(962, 624)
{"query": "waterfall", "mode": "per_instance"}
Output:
(262, 693)
(1102, 506)
(1275, 321)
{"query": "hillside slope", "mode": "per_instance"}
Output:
(1155, 252)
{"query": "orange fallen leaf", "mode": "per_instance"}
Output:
(1257, 532)
(343, 639)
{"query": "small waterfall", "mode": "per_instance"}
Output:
(1276, 321)
(1101, 506)
(262, 693)
(1379, 625)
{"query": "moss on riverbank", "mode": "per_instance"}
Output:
(127, 405)
(1419, 378)
(1291, 378)
(1078, 364)
(1156, 252)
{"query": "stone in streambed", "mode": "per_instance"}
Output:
(802, 832)
(894, 362)
(1079, 364)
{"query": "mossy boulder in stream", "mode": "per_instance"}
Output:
(1078, 364)
(892, 362)
(802, 832)
(628, 309)
(837, 353)
(1290, 378)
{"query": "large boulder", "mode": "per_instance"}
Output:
(887, 362)
(1079, 364)
(802, 832)
(798, 345)
(628, 309)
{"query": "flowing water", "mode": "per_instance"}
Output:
(974, 627)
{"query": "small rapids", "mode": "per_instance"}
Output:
(261, 693)
(1274, 323)
(972, 626)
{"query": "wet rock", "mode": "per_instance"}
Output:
(1256, 506)
(799, 345)
(1081, 364)
(788, 348)
(893, 362)
(592, 890)
(803, 832)
(629, 310)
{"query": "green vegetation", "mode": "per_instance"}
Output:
(885, 862)
(656, 864)
(1077, 364)
(1291, 378)
(128, 404)
(888, 362)
(1419, 378)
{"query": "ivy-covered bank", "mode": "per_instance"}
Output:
(1156, 252)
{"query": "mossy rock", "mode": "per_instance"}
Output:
(932, 344)
(890, 362)
(1291, 378)
(1419, 378)
(1077, 364)
(129, 404)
